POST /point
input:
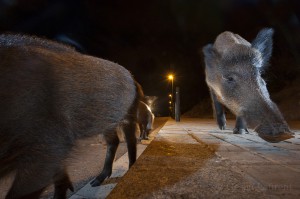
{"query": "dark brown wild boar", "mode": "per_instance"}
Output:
(145, 119)
(233, 74)
(51, 96)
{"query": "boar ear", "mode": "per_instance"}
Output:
(211, 56)
(264, 44)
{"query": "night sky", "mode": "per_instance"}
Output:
(157, 37)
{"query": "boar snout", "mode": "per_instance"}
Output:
(266, 119)
(274, 132)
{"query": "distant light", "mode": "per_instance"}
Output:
(170, 102)
(170, 95)
(170, 77)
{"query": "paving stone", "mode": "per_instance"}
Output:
(287, 146)
(242, 157)
(182, 138)
(282, 157)
(211, 140)
(276, 178)
(89, 192)
(229, 148)
(117, 173)
(176, 131)
(254, 146)
(193, 159)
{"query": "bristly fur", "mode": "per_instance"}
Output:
(264, 44)
(50, 97)
(233, 69)
(13, 40)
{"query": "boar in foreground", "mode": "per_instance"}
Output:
(145, 119)
(50, 97)
(233, 74)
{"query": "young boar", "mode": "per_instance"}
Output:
(233, 75)
(145, 119)
(50, 97)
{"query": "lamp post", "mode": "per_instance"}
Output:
(171, 78)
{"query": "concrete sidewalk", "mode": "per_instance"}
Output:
(193, 159)
(120, 167)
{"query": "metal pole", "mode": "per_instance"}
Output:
(172, 100)
(172, 88)
(177, 105)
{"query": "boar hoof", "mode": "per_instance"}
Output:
(240, 131)
(95, 183)
(222, 126)
(140, 139)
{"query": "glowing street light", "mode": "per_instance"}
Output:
(171, 78)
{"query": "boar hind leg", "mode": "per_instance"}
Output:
(144, 134)
(146, 137)
(219, 111)
(112, 142)
(129, 131)
(33, 195)
(240, 126)
(141, 131)
(62, 184)
(30, 182)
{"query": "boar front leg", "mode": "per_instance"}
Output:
(240, 126)
(112, 141)
(219, 111)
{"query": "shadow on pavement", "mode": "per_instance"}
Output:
(157, 170)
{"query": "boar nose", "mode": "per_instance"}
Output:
(270, 124)
(274, 133)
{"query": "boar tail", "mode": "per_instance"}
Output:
(139, 92)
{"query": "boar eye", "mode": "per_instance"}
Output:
(229, 79)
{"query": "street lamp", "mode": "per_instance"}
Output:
(171, 78)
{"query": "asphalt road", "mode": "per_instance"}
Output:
(85, 163)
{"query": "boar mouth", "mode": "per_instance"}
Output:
(274, 133)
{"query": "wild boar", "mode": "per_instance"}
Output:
(145, 119)
(233, 68)
(50, 97)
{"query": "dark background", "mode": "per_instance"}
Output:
(157, 37)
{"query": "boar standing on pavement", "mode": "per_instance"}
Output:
(145, 119)
(233, 74)
(50, 97)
